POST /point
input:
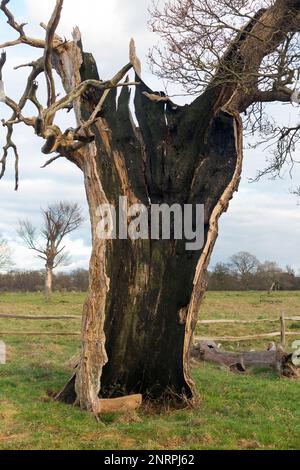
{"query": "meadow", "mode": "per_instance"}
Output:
(258, 410)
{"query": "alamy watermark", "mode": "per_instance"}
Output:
(155, 222)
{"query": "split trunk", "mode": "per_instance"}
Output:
(147, 293)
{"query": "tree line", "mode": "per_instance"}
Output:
(34, 281)
(244, 271)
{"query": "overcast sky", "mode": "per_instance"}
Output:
(263, 217)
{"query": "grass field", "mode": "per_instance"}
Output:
(257, 411)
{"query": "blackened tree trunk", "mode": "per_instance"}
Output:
(153, 288)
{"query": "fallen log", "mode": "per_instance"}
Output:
(274, 357)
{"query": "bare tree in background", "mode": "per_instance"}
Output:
(244, 263)
(5, 255)
(144, 296)
(59, 220)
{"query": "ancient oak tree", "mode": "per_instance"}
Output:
(144, 295)
(59, 220)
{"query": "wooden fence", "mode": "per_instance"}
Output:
(39, 318)
(282, 333)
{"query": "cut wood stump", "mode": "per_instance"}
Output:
(120, 405)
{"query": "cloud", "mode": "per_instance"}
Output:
(265, 223)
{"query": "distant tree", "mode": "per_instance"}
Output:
(269, 275)
(5, 255)
(59, 220)
(221, 278)
(244, 263)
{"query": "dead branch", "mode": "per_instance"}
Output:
(48, 162)
(49, 46)
(274, 357)
(19, 28)
(134, 60)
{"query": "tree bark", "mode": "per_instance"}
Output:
(48, 281)
(146, 292)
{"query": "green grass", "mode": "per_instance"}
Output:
(257, 411)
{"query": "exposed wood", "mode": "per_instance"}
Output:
(122, 404)
(135, 61)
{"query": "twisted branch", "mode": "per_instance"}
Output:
(50, 35)
(64, 143)
(23, 38)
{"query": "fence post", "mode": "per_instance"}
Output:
(282, 330)
(2, 353)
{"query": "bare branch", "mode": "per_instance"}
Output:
(135, 61)
(23, 38)
(248, 51)
(50, 35)
(48, 162)
(29, 94)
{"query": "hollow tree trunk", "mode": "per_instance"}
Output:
(48, 280)
(147, 293)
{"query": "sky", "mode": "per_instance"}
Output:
(263, 217)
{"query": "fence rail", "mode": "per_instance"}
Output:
(37, 333)
(282, 333)
(269, 320)
(40, 318)
(243, 338)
